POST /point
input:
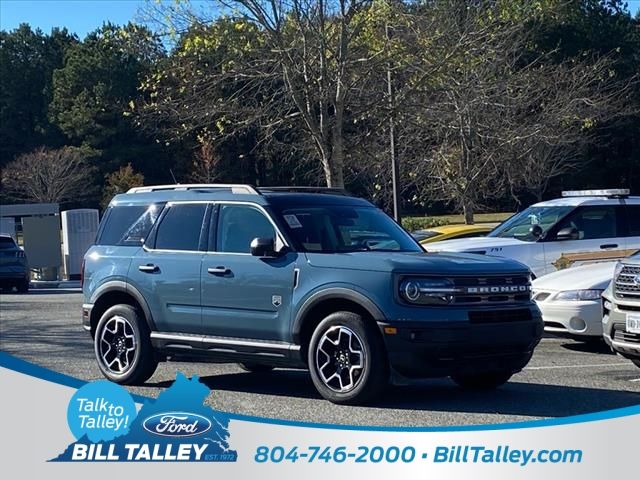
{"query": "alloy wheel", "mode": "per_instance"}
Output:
(117, 345)
(340, 359)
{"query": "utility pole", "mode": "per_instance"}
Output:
(395, 170)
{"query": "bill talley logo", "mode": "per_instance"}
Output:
(176, 424)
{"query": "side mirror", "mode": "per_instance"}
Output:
(569, 233)
(536, 231)
(263, 247)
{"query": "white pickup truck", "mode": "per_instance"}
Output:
(581, 227)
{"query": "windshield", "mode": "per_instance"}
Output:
(520, 226)
(341, 229)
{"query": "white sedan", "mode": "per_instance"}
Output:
(570, 300)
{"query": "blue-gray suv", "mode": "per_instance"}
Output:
(299, 278)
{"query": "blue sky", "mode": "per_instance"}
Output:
(83, 16)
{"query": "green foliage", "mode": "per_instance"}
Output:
(99, 79)
(412, 224)
(119, 182)
(27, 61)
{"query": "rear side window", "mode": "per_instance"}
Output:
(181, 227)
(633, 220)
(6, 242)
(128, 225)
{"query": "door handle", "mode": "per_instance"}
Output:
(609, 245)
(219, 270)
(149, 268)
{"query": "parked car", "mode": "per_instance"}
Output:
(621, 305)
(296, 277)
(581, 227)
(14, 268)
(449, 232)
(571, 300)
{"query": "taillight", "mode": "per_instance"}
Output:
(20, 254)
(82, 274)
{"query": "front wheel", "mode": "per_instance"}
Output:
(347, 359)
(123, 347)
(482, 381)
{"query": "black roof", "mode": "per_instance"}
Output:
(282, 199)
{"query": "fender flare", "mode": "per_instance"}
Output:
(124, 287)
(327, 294)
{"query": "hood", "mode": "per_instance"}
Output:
(418, 262)
(595, 276)
(472, 244)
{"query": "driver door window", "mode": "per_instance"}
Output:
(238, 225)
(591, 223)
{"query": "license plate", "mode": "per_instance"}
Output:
(633, 323)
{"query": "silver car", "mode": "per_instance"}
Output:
(621, 308)
(14, 268)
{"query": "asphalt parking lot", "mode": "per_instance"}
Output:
(563, 378)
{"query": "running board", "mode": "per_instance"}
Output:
(227, 347)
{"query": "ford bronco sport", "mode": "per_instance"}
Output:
(302, 278)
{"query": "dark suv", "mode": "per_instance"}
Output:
(303, 278)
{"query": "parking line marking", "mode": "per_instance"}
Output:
(581, 366)
(635, 380)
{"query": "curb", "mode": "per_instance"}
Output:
(36, 284)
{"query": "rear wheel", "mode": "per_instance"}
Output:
(347, 359)
(122, 346)
(255, 367)
(483, 381)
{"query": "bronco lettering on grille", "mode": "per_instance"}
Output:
(498, 289)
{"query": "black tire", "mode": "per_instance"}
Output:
(482, 381)
(255, 367)
(636, 362)
(142, 363)
(369, 380)
(23, 287)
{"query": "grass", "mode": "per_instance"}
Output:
(478, 218)
(417, 223)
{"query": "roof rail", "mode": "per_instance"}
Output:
(327, 190)
(235, 188)
(614, 192)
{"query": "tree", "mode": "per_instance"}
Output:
(119, 182)
(274, 65)
(49, 176)
(92, 92)
(501, 111)
(204, 168)
(27, 61)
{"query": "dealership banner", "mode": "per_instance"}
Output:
(63, 427)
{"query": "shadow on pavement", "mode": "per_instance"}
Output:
(589, 347)
(515, 398)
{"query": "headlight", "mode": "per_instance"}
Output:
(579, 295)
(618, 269)
(427, 291)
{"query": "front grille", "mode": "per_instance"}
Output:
(621, 335)
(492, 290)
(500, 316)
(628, 282)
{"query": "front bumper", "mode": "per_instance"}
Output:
(440, 349)
(572, 319)
(615, 334)
(86, 316)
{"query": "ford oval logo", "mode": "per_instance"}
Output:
(176, 424)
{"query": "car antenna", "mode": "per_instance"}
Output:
(173, 176)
